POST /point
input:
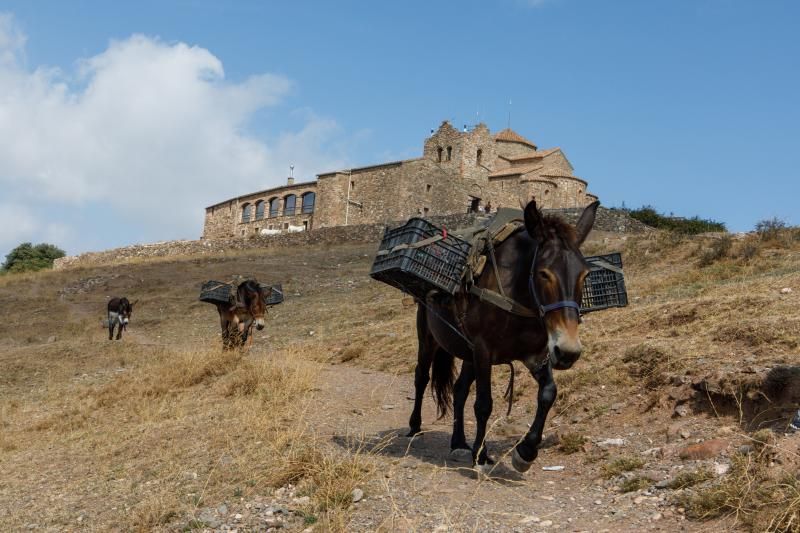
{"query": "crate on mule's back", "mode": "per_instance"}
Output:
(418, 257)
(605, 285)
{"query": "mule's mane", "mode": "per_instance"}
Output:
(555, 227)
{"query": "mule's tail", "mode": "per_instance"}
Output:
(443, 378)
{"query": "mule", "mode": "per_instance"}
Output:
(119, 314)
(237, 319)
(542, 270)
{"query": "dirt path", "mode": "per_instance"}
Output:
(419, 487)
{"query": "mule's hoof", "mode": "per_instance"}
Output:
(462, 455)
(519, 464)
(414, 432)
(483, 470)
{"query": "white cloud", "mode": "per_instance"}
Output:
(150, 130)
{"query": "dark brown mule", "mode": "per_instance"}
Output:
(237, 319)
(540, 268)
(119, 314)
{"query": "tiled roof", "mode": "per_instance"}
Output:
(370, 167)
(560, 173)
(533, 155)
(510, 135)
(513, 171)
(557, 173)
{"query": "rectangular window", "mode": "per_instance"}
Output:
(425, 211)
(352, 185)
(428, 187)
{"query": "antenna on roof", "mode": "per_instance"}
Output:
(509, 113)
(465, 128)
(291, 171)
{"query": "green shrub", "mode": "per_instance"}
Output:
(770, 229)
(688, 226)
(27, 257)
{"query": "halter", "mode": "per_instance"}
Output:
(544, 309)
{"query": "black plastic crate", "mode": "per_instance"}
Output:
(276, 296)
(438, 265)
(215, 292)
(604, 287)
(218, 292)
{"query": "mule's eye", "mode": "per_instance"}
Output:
(544, 275)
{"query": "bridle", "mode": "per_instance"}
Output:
(544, 309)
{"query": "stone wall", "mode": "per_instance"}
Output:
(224, 220)
(607, 220)
(443, 180)
(613, 220)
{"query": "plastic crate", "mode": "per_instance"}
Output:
(215, 292)
(603, 287)
(276, 296)
(435, 266)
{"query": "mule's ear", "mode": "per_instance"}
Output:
(533, 221)
(585, 223)
(135, 302)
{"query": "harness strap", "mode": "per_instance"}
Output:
(509, 394)
(418, 244)
(559, 305)
(446, 322)
(503, 302)
(606, 265)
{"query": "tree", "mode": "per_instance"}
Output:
(27, 257)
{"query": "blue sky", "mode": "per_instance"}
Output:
(108, 110)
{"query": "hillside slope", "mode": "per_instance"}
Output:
(162, 430)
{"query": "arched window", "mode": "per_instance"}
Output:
(439, 151)
(449, 153)
(308, 202)
(259, 209)
(479, 156)
(246, 211)
(274, 207)
(289, 204)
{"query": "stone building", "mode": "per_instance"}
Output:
(458, 171)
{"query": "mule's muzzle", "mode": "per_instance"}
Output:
(563, 359)
(259, 324)
(564, 350)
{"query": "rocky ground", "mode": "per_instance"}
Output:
(669, 398)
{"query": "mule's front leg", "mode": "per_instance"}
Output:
(528, 449)
(483, 406)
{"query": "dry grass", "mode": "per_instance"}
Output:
(122, 425)
(621, 464)
(635, 483)
(236, 423)
(570, 443)
(691, 478)
(756, 498)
